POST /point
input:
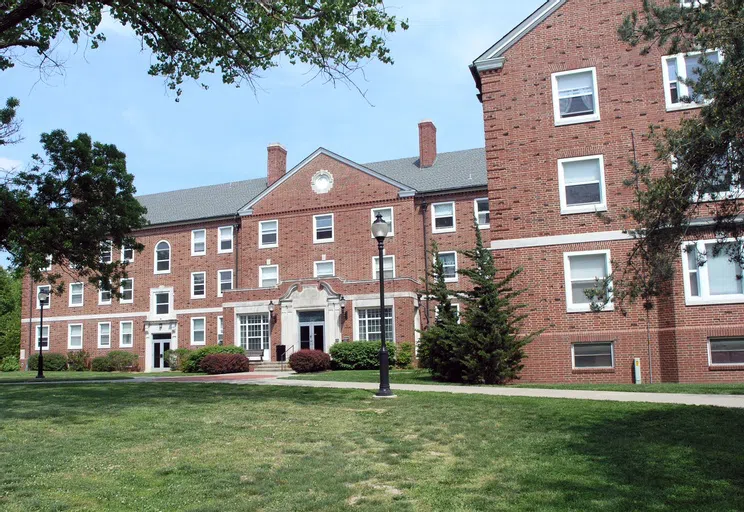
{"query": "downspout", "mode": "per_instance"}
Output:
(424, 205)
(236, 243)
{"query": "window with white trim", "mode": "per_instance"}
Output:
(107, 252)
(387, 216)
(42, 336)
(575, 96)
(224, 281)
(268, 276)
(76, 294)
(104, 296)
(198, 328)
(323, 228)
(584, 271)
(127, 254)
(127, 291)
(162, 303)
(268, 234)
(593, 355)
(48, 302)
(198, 242)
(75, 336)
(220, 330)
(369, 326)
(581, 184)
(443, 217)
(449, 262)
(482, 213)
(726, 351)
(162, 257)
(325, 268)
(104, 334)
(225, 235)
(253, 331)
(126, 334)
(49, 263)
(692, 3)
(198, 285)
(455, 307)
(388, 267)
(680, 68)
(712, 272)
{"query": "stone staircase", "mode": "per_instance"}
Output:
(269, 366)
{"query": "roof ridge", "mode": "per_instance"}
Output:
(416, 156)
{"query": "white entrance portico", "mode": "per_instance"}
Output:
(311, 317)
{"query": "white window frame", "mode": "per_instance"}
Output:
(49, 299)
(110, 245)
(49, 263)
(703, 282)
(682, 89)
(220, 238)
(357, 319)
(315, 229)
(476, 212)
(203, 330)
(47, 337)
(121, 290)
(100, 324)
(121, 334)
(241, 320)
(567, 209)
(70, 294)
(219, 280)
(582, 308)
(590, 368)
(154, 305)
(124, 259)
(315, 268)
(434, 218)
(695, 4)
(69, 336)
(376, 266)
(261, 245)
(457, 276)
(204, 295)
(373, 216)
(220, 330)
(588, 118)
(155, 257)
(101, 301)
(194, 252)
(710, 354)
(260, 275)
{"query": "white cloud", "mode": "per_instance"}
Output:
(8, 164)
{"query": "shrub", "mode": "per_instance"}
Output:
(404, 357)
(52, 362)
(78, 361)
(177, 358)
(306, 361)
(10, 364)
(100, 364)
(359, 355)
(122, 361)
(214, 364)
(193, 362)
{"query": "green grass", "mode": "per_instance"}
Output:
(66, 376)
(396, 376)
(216, 447)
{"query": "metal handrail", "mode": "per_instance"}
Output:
(286, 356)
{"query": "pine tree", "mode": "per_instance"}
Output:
(10, 314)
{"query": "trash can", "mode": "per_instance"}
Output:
(281, 351)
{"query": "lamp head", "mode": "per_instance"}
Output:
(43, 296)
(271, 306)
(380, 228)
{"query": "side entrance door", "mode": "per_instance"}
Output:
(160, 344)
(312, 330)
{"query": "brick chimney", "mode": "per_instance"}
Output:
(277, 162)
(427, 143)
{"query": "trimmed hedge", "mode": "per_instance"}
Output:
(115, 361)
(404, 357)
(192, 364)
(78, 361)
(101, 364)
(306, 361)
(10, 364)
(177, 358)
(53, 362)
(214, 364)
(360, 355)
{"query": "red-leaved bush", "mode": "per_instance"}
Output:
(214, 364)
(306, 361)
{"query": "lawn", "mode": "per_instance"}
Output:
(62, 376)
(215, 447)
(423, 377)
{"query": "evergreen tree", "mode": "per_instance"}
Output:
(10, 314)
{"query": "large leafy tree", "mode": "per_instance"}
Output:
(10, 314)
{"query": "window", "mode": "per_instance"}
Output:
(198, 335)
(220, 330)
(677, 69)
(104, 334)
(443, 217)
(76, 295)
(581, 182)
(48, 267)
(323, 228)
(449, 262)
(162, 303)
(455, 308)
(198, 285)
(325, 268)
(127, 291)
(388, 267)
(268, 276)
(107, 252)
(712, 273)
(75, 336)
(127, 254)
(224, 281)
(42, 337)
(162, 257)
(593, 355)
(692, 3)
(199, 242)
(126, 334)
(104, 296)
(387, 216)
(225, 239)
(253, 331)
(268, 234)
(369, 324)
(575, 98)
(482, 213)
(585, 270)
(48, 302)
(726, 351)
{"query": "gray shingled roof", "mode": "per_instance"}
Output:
(451, 171)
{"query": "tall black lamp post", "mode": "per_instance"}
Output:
(380, 229)
(43, 297)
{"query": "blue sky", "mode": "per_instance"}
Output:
(221, 134)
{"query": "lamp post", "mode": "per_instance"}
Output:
(380, 229)
(43, 297)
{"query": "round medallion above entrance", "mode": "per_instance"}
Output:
(322, 182)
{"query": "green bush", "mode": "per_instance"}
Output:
(52, 362)
(122, 361)
(10, 364)
(307, 361)
(359, 355)
(101, 364)
(215, 364)
(404, 357)
(193, 362)
(177, 358)
(78, 360)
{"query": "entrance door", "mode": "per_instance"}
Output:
(160, 344)
(312, 330)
